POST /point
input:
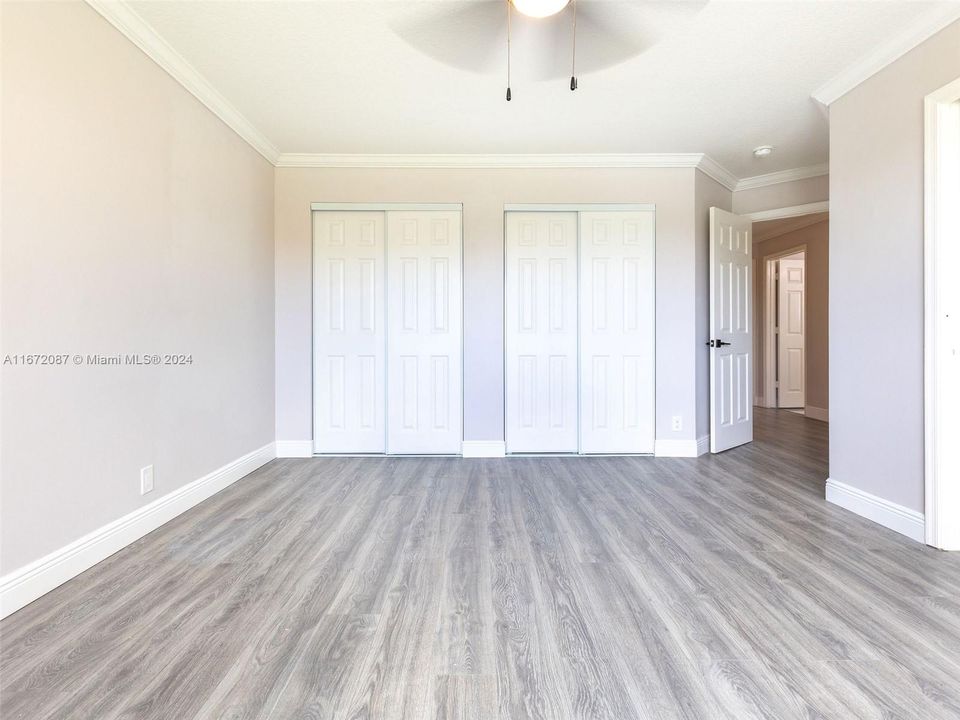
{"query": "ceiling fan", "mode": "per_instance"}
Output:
(540, 39)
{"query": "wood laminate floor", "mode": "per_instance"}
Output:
(423, 589)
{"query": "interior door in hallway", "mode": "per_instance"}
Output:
(791, 324)
(424, 406)
(731, 313)
(617, 332)
(349, 332)
(541, 332)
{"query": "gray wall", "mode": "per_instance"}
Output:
(876, 273)
(483, 194)
(133, 221)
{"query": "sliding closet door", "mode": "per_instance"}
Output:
(424, 332)
(616, 332)
(349, 332)
(541, 331)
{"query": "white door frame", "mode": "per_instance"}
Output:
(941, 187)
(767, 341)
(577, 208)
(374, 207)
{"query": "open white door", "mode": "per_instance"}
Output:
(790, 324)
(731, 343)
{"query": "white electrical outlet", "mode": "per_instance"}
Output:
(146, 479)
(677, 423)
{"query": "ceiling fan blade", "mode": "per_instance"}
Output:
(608, 33)
(466, 34)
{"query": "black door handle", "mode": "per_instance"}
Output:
(716, 343)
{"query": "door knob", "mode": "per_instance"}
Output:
(716, 343)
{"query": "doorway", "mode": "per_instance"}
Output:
(785, 329)
(791, 323)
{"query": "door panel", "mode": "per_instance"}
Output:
(731, 367)
(617, 332)
(541, 332)
(424, 332)
(791, 324)
(349, 332)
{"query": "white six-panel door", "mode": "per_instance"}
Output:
(424, 331)
(790, 333)
(541, 332)
(617, 332)
(387, 331)
(349, 332)
(731, 360)
(579, 321)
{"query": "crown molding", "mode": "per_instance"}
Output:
(923, 27)
(775, 178)
(789, 212)
(711, 168)
(699, 161)
(128, 22)
(488, 160)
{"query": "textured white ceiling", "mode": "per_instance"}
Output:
(370, 77)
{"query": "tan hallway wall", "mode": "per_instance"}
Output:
(816, 238)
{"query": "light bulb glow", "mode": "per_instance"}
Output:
(763, 151)
(539, 8)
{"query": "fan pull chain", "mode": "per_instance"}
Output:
(509, 94)
(573, 69)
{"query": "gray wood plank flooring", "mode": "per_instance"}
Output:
(530, 588)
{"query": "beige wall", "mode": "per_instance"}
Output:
(484, 194)
(133, 221)
(876, 273)
(816, 239)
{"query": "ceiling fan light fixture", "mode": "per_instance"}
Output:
(539, 8)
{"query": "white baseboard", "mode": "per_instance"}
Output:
(896, 517)
(669, 447)
(484, 448)
(703, 445)
(26, 584)
(816, 413)
(294, 448)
